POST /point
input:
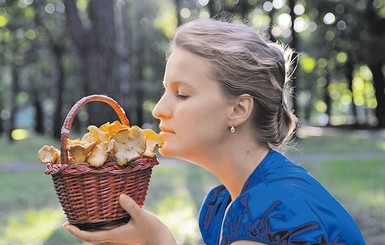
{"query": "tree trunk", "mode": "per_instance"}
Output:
(309, 106)
(124, 56)
(327, 98)
(294, 45)
(270, 27)
(214, 10)
(377, 58)
(58, 118)
(96, 45)
(379, 86)
(39, 113)
(245, 9)
(1, 118)
(349, 76)
(177, 9)
(15, 89)
(2, 105)
(141, 53)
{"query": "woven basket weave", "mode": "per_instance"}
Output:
(89, 195)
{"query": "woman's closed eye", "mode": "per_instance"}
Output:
(181, 95)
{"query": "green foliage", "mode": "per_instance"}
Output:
(331, 35)
(307, 63)
(166, 19)
(3, 20)
(363, 90)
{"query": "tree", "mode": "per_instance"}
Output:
(148, 45)
(218, 9)
(294, 44)
(178, 8)
(52, 24)
(338, 35)
(16, 37)
(120, 48)
(95, 39)
(376, 58)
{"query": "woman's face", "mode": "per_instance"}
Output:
(193, 110)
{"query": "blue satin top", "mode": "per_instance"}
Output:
(280, 203)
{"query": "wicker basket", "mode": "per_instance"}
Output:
(89, 195)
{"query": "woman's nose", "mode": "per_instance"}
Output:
(161, 110)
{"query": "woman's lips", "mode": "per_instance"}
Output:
(165, 130)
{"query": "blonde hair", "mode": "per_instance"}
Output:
(245, 63)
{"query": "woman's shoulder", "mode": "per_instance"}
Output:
(264, 199)
(269, 212)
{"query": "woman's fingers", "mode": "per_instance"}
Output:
(91, 237)
(130, 206)
(136, 231)
(76, 232)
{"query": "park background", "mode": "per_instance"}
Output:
(52, 53)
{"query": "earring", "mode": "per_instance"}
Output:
(232, 129)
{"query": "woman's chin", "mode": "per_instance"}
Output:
(164, 152)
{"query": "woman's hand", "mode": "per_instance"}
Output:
(143, 228)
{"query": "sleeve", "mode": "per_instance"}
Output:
(272, 217)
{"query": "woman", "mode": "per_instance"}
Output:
(223, 108)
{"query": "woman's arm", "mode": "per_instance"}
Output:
(144, 228)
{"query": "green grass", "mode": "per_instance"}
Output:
(175, 194)
(25, 190)
(358, 185)
(363, 177)
(24, 150)
(338, 144)
(28, 202)
(357, 180)
(29, 210)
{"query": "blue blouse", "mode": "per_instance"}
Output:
(280, 203)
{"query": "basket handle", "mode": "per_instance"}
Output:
(75, 109)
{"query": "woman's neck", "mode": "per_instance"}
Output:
(234, 166)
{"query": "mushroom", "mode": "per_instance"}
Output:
(48, 155)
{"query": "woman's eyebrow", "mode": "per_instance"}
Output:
(175, 83)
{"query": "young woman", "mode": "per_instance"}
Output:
(223, 108)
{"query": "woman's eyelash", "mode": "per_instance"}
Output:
(181, 95)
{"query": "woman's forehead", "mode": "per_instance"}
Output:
(186, 65)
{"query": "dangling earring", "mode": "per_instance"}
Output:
(232, 129)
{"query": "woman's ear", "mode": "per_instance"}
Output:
(243, 107)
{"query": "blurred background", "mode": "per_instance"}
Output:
(54, 52)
